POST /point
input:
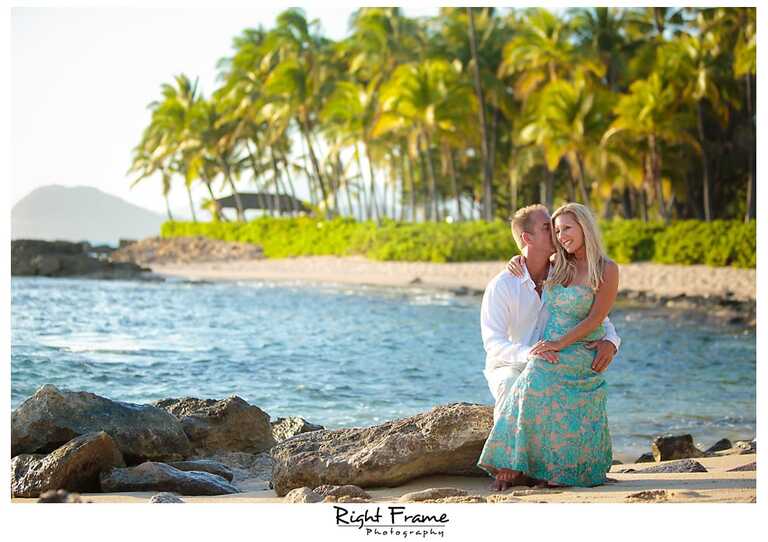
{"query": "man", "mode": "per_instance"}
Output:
(512, 315)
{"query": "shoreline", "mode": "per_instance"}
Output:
(707, 294)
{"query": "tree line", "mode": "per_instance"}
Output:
(636, 112)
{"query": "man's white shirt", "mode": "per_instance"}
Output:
(512, 319)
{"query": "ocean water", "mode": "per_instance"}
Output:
(351, 356)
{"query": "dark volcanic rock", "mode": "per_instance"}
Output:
(151, 476)
(719, 446)
(670, 447)
(647, 457)
(686, 465)
(51, 418)
(75, 466)
(61, 259)
(221, 425)
(445, 440)
(204, 465)
(285, 428)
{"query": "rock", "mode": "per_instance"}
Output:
(204, 465)
(285, 428)
(156, 250)
(60, 496)
(616, 462)
(243, 465)
(446, 440)
(31, 257)
(719, 446)
(221, 425)
(670, 447)
(51, 418)
(432, 494)
(653, 495)
(500, 498)
(746, 446)
(302, 495)
(165, 498)
(686, 465)
(74, 466)
(151, 476)
(341, 491)
(646, 458)
(748, 467)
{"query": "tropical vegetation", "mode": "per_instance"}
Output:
(639, 113)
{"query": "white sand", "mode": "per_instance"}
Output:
(717, 485)
(657, 279)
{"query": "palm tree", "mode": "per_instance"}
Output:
(649, 113)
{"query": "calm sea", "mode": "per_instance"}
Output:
(351, 356)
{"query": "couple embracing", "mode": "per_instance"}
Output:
(547, 339)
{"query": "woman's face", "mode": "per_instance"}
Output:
(569, 233)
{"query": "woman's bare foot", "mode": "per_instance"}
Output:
(506, 478)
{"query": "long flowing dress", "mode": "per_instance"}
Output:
(553, 425)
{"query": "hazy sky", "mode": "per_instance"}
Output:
(82, 79)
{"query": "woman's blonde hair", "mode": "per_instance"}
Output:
(564, 266)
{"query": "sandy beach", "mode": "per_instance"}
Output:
(654, 279)
(717, 485)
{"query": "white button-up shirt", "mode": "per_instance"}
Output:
(512, 320)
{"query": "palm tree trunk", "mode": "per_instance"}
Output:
(455, 185)
(626, 203)
(191, 203)
(751, 173)
(372, 180)
(168, 208)
(316, 169)
(411, 184)
(581, 183)
(289, 180)
(361, 190)
(238, 202)
(487, 173)
(655, 175)
(431, 173)
(704, 162)
(426, 202)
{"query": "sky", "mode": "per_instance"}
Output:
(81, 80)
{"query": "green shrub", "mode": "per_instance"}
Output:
(717, 243)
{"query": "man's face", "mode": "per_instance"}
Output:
(539, 236)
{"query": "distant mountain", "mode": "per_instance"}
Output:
(81, 213)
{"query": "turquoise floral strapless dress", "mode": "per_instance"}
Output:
(553, 425)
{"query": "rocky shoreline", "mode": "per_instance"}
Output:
(64, 443)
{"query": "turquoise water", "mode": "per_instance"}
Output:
(351, 356)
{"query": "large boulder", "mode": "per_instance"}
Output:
(63, 258)
(151, 476)
(685, 465)
(51, 418)
(670, 447)
(446, 440)
(204, 465)
(221, 425)
(285, 428)
(75, 466)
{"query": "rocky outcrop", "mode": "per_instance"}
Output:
(64, 259)
(669, 447)
(445, 440)
(51, 418)
(645, 458)
(221, 425)
(165, 498)
(302, 495)
(745, 446)
(151, 476)
(204, 465)
(432, 494)
(75, 466)
(686, 465)
(156, 250)
(719, 446)
(285, 428)
(745, 468)
(245, 466)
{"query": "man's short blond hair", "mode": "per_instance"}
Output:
(521, 222)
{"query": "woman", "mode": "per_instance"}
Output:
(553, 426)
